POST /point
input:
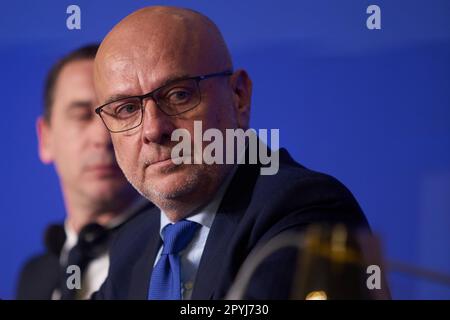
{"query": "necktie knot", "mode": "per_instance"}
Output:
(178, 235)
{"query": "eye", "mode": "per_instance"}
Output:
(81, 115)
(126, 110)
(179, 96)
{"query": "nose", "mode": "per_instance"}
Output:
(156, 126)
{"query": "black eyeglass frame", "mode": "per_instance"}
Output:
(151, 95)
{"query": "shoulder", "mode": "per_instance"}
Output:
(39, 261)
(297, 196)
(296, 182)
(128, 247)
(38, 277)
(133, 234)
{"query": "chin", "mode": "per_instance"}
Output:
(171, 185)
(107, 189)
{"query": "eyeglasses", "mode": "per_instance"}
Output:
(173, 98)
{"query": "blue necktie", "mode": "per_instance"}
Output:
(165, 283)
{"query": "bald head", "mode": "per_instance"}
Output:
(164, 34)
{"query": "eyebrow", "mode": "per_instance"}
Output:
(166, 81)
(77, 104)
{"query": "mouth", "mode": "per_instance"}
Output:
(104, 169)
(168, 161)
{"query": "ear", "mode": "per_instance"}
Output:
(241, 85)
(44, 141)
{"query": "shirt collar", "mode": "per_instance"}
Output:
(71, 236)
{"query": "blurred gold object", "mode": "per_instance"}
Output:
(316, 295)
(333, 260)
(332, 263)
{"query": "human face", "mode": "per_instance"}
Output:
(144, 153)
(76, 141)
(144, 51)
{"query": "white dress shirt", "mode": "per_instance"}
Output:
(190, 257)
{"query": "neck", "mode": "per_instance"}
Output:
(81, 213)
(178, 209)
(77, 220)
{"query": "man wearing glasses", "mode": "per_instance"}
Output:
(161, 69)
(97, 197)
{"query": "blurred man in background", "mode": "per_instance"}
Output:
(97, 197)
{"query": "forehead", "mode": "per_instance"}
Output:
(139, 70)
(74, 77)
(124, 67)
(74, 86)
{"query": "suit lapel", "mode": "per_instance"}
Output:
(142, 270)
(231, 210)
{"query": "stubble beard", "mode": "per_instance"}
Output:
(182, 196)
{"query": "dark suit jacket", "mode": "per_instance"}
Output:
(255, 208)
(40, 275)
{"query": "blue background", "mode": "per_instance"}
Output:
(371, 107)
